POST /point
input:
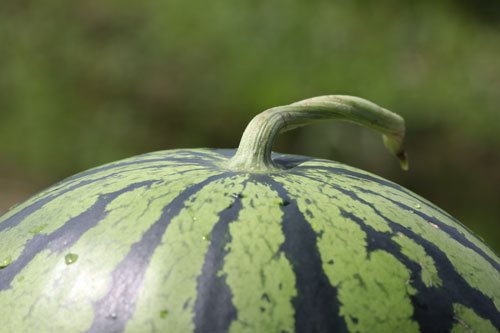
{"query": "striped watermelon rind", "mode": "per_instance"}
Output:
(169, 241)
(210, 240)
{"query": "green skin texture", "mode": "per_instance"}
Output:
(51, 295)
(56, 291)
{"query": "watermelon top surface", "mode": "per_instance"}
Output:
(170, 241)
(205, 240)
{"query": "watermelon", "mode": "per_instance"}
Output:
(216, 240)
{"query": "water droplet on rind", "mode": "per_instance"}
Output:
(5, 262)
(417, 206)
(206, 237)
(163, 314)
(70, 258)
(434, 225)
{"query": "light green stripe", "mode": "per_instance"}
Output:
(417, 254)
(322, 188)
(34, 302)
(403, 196)
(202, 154)
(473, 267)
(120, 172)
(178, 262)
(260, 277)
(476, 270)
(118, 167)
(373, 291)
(68, 205)
(467, 321)
(55, 296)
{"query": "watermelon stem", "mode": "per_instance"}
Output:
(254, 151)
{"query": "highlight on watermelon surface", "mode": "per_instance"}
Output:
(245, 240)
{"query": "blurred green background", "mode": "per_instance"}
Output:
(87, 82)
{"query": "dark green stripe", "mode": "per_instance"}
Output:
(214, 310)
(452, 232)
(18, 217)
(283, 160)
(436, 314)
(225, 153)
(75, 178)
(170, 156)
(198, 152)
(364, 176)
(65, 236)
(316, 306)
(455, 288)
(112, 312)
